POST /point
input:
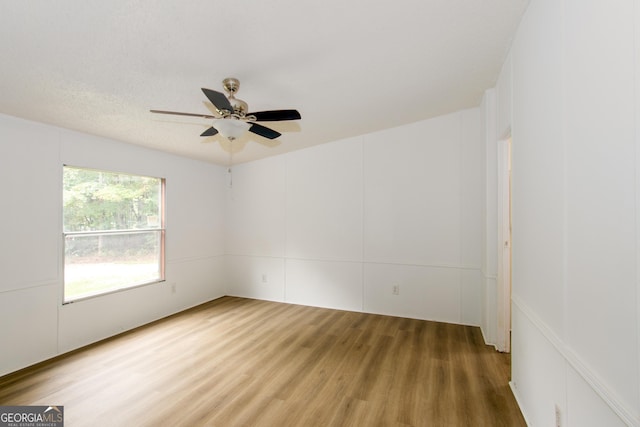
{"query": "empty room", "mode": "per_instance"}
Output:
(320, 214)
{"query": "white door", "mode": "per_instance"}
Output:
(504, 252)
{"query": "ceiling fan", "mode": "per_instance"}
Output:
(234, 119)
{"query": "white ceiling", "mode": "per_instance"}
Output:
(349, 66)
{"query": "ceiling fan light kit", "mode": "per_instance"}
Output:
(234, 118)
(231, 128)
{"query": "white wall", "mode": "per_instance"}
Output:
(574, 120)
(34, 325)
(338, 225)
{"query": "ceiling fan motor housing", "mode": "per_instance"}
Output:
(232, 85)
(239, 106)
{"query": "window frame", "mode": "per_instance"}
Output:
(160, 230)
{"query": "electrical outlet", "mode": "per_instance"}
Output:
(558, 417)
(173, 288)
(395, 290)
(264, 278)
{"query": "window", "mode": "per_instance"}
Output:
(113, 227)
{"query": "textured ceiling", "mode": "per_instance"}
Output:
(350, 67)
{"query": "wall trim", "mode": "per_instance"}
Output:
(183, 260)
(348, 261)
(31, 285)
(574, 361)
(449, 266)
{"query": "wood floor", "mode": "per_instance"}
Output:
(242, 362)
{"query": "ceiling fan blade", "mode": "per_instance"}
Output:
(276, 115)
(176, 113)
(209, 132)
(264, 131)
(218, 100)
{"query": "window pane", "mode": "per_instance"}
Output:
(102, 263)
(113, 231)
(98, 200)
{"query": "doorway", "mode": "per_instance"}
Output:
(505, 245)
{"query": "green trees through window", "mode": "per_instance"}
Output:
(113, 231)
